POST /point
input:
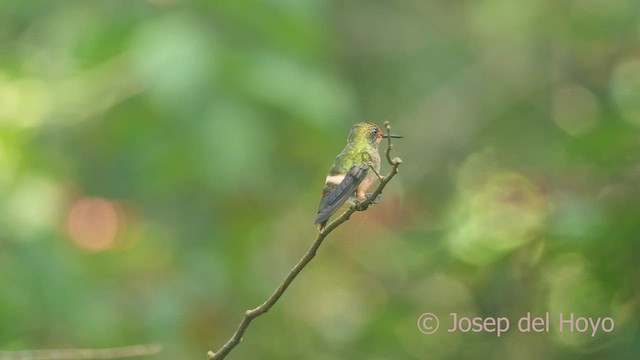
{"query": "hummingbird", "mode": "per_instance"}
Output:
(353, 171)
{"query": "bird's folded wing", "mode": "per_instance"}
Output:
(332, 202)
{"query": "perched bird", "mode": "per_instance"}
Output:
(353, 171)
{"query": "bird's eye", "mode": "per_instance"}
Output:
(375, 131)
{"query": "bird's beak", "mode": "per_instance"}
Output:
(392, 136)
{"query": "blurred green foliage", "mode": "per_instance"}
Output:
(161, 162)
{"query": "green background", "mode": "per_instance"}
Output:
(161, 163)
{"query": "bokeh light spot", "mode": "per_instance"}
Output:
(24, 102)
(94, 223)
(496, 214)
(625, 88)
(31, 207)
(574, 289)
(575, 110)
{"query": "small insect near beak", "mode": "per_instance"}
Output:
(392, 136)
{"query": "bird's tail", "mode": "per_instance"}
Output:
(322, 224)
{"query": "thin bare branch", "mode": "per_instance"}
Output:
(249, 315)
(84, 354)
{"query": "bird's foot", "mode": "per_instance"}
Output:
(361, 205)
(364, 204)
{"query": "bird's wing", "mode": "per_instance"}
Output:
(332, 202)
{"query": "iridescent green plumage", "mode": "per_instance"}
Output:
(352, 172)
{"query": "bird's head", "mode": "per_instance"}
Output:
(368, 133)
